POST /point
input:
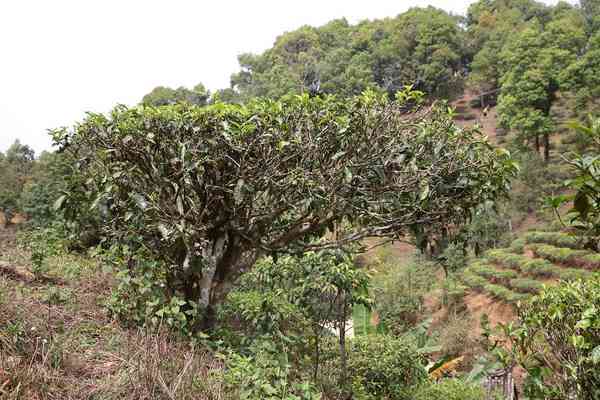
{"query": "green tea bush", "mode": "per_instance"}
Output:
(538, 267)
(525, 285)
(498, 291)
(517, 246)
(473, 281)
(557, 341)
(492, 273)
(560, 255)
(386, 366)
(140, 296)
(592, 261)
(266, 374)
(559, 239)
(505, 258)
(569, 274)
(450, 389)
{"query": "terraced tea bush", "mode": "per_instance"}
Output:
(484, 270)
(473, 281)
(526, 285)
(592, 261)
(569, 274)
(560, 255)
(538, 267)
(507, 259)
(493, 274)
(504, 294)
(498, 291)
(559, 239)
(517, 246)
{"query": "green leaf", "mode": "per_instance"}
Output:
(179, 202)
(59, 202)
(424, 192)
(347, 175)
(596, 355)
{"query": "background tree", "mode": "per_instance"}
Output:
(160, 96)
(421, 47)
(532, 62)
(15, 169)
(208, 190)
(490, 24)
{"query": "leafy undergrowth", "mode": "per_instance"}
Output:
(57, 342)
(518, 272)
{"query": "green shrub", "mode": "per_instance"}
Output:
(140, 297)
(525, 285)
(492, 273)
(450, 389)
(559, 239)
(497, 291)
(386, 366)
(473, 281)
(538, 267)
(563, 324)
(453, 293)
(517, 246)
(592, 260)
(399, 295)
(266, 374)
(505, 258)
(568, 274)
(560, 255)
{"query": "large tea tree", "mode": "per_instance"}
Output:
(207, 190)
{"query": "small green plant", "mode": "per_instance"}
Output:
(386, 367)
(140, 296)
(450, 389)
(266, 374)
(556, 341)
(472, 280)
(538, 267)
(560, 255)
(518, 246)
(525, 285)
(57, 295)
(559, 239)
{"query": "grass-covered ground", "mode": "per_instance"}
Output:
(57, 341)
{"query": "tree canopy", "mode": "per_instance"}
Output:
(421, 47)
(161, 95)
(208, 189)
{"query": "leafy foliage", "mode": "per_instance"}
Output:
(386, 366)
(450, 389)
(557, 340)
(160, 96)
(421, 47)
(205, 190)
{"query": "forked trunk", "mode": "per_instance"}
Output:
(222, 263)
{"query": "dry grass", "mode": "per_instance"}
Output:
(57, 342)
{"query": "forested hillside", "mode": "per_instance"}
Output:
(402, 208)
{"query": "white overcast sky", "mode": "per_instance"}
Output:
(59, 58)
